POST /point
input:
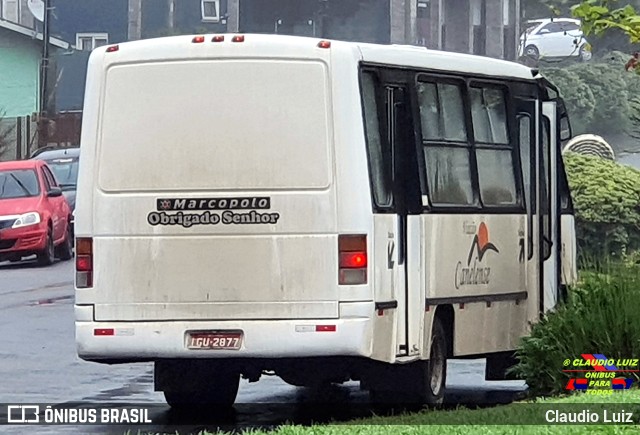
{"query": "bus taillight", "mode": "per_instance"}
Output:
(84, 262)
(352, 254)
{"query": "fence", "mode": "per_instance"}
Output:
(20, 136)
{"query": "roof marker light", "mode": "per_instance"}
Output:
(218, 38)
(113, 48)
(197, 39)
(324, 44)
(238, 38)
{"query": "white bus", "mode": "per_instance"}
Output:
(324, 210)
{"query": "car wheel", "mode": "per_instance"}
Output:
(65, 250)
(48, 255)
(531, 51)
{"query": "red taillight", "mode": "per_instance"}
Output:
(218, 38)
(324, 44)
(352, 254)
(84, 262)
(238, 38)
(113, 48)
(104, 331)
(197, 39)
(353, 260)
(325, 328)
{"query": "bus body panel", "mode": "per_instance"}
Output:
(231, 223)
(476, 264)
(151, 340)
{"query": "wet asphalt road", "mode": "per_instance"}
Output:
(38, 364)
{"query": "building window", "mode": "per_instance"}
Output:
(10, 10)
(90, 41)
(210, 10)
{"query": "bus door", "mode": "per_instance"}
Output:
(550, 206)
(394, 180)
(528, 118)
(407, 235)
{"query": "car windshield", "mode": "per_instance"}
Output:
(18, 183)
(66, 172)
(532, 26)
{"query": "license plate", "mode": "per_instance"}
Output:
(217, 340)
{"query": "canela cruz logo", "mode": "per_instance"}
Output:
(474, 272)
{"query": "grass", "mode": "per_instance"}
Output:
(491, 421)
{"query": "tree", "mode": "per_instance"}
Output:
(601, 98)
(578, 96)
(601, 16)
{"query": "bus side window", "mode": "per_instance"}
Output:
(524, 135)
(494, 150)
(447, 152)
(526, 141)
(378, 149)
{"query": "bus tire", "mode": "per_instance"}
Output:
(219, 392)
(420, 383)
(436, 366)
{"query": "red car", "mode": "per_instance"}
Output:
(34, 215)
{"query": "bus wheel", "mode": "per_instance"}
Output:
(419, 383)
(436, 367)
(220, 391)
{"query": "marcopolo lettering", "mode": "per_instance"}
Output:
(175, 204)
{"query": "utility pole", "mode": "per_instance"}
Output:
(171, 18)
(135, 20)
(44, 68)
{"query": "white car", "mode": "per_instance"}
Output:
(554, 38)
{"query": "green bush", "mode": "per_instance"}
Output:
(606, 198)
(600, 317)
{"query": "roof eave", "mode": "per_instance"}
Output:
(33, 34)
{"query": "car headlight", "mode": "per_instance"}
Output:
(27, 219)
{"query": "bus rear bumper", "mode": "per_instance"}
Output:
(121, 342)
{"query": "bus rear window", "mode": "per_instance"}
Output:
(215, 125)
